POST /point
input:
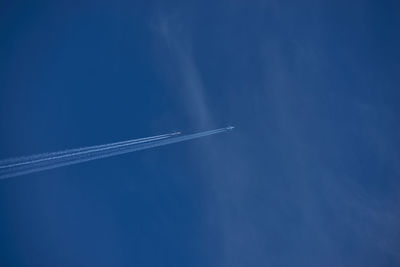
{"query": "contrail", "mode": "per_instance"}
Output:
(60, 154)
(36, 163)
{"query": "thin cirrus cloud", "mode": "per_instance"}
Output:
(177, 41)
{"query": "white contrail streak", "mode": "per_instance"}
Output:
(74, 156)
(16, 161)
(81, 151)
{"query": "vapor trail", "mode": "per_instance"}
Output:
(77, 151)
(58, 159)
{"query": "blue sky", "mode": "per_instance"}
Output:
(309, 177)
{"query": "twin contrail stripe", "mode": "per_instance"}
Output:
(25, 159)
(79, 151)
(54, 160)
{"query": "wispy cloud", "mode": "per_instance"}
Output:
(301, 205)
(173, 32)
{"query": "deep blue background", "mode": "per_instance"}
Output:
(309, 177)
